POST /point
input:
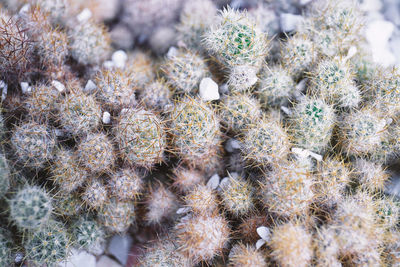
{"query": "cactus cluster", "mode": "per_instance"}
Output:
(286, 164)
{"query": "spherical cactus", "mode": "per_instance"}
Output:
(79, 113)
(89, 43)
(202, 200)
(237, 195)
(236, 40)
(327, 248)
(287, 189)
(275, 87)
(95, 152)
(265, 142)
(369, 175)
(88, 234)
(6, 258)
(291, 245)
(355, 220)
(31, 207)
(201, 238)
(67, 173)
(387, 211)
(335, 25)
(161, 204)
(238, 111)
(16, 46)
(246, 256)
(33, 143)
(125, 184)
(242, 78)
(95, 194)
(186, 179)
(41, 103)
(164, 253)
(140, 66)
(52, 47)
(382, 90)
(195, 132)
(115, 88)
(49, 245)
(298, 55)
(361, 132)
(333, 177)
(67, 205)
(333, 81)
(312, 124)
(117, 216)
(196, 17)
(4, 176)
(184, 71)
(156, 95)
(141, 137)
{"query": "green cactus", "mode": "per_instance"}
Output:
(141, 137)
(49, 245)
(31, 207)
(88, 234)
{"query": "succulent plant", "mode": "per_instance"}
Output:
(49, 245)
(31, 207)
(141, 137)
(33, 143)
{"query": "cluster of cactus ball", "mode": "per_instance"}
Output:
(287, 164)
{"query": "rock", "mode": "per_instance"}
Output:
(119, 58)
(90, 86)
(105, 261)
(290, 22)
(106, 117)
(122, 37)
(213, 182)
(25, 88)
(119, 247)
(59, 86)
(378, 33)
(208, 90)
(232, 145)
(172, 52)
(79, 258)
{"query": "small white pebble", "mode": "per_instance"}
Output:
(85, 15)
(232, 145)
(264, 232)
(172, 52)
(90, 86)
(183, 210)
(106, 117)
(25, 88)
(286, 110)
(59, 86)
(119, 58)
(208, 90)
(213, 183)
